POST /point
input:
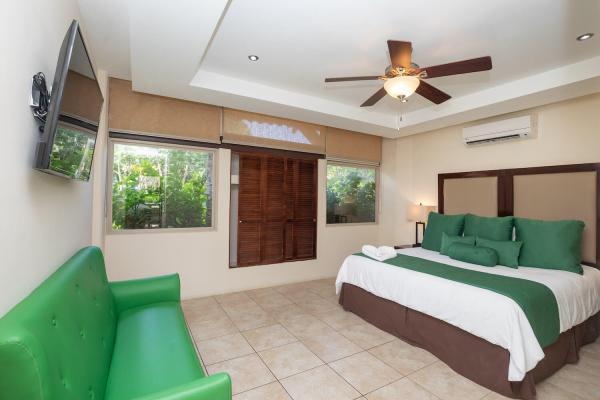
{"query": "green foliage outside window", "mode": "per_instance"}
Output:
(351, 194)
(161, 187)
(72, 152)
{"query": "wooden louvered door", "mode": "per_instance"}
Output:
(291, 182)
(250, 210)
(305, 209)
(277, 209)
(274, 210)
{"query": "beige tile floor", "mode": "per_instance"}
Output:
(296, 342)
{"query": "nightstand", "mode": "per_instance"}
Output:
(406, 246)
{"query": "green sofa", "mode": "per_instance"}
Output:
(77, 337)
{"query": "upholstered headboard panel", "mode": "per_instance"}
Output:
(471, 195)
(560, 196)
(551, 193)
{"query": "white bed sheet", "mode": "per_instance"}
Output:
(489, 315)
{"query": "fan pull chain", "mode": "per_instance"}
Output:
(399, 119)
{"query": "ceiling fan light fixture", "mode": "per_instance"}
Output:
(400, 87)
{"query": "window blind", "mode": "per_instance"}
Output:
(142, 113)
(245, 128)
(76, 86)
(343, 145)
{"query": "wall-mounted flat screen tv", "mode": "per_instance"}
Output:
(67, 144)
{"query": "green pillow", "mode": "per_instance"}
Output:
(438, 224)
(494, 228)
(508, 250)
(550, 244)
(448, 241)
(474, 255)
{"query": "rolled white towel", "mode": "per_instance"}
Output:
(386, 250)
(367, 248)
(381, 253)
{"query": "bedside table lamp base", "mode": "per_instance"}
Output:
(417, 243)
(418, 213)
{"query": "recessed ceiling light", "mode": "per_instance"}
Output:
(253, 57)
(585, 36)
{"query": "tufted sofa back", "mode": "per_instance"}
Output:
(58, 342)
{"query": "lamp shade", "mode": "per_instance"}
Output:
(401, 86)
(419, 212)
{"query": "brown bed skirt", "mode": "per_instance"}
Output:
(467, 354)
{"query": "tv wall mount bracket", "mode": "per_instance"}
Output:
(40, 98)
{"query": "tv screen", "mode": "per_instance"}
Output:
(69, 137)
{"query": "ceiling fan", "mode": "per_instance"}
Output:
(403, 77)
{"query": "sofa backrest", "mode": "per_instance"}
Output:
(57, 343)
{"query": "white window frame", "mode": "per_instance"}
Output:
(109, 181)
(352, 164)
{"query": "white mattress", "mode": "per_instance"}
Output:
(489, 315)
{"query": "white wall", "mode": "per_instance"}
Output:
(99, 168)
(45, 219)
(568, 133)
(202, 258)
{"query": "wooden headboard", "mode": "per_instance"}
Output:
(554, 192)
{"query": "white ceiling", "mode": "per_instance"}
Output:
(198, 50)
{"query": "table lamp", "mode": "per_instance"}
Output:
(418, 214)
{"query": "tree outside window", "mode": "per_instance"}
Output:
(351, 194)
(72, 152)
(161, 187)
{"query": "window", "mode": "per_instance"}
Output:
(273, 211)
(160, 186)
(351, 194)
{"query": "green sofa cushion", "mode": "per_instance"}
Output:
(438, 224)
(473, 254)
(448, 241)
(550, 244)
(508, 250)
(494, 228)
(139, 292)
(153, 352)
(214, 387)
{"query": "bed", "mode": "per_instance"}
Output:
(482, 334)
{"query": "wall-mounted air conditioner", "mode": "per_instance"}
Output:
(506, 129)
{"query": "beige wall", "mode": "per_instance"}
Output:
(202, 257)
(45, 219)
(568, 133)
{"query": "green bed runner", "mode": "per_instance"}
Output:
(535, 299)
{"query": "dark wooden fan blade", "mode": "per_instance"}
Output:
(459, 67)
(400, 53)
(352, 78)
(380, 94)
(432, 93)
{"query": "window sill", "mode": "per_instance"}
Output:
(111, 231)
(351, 224)
(273, 263)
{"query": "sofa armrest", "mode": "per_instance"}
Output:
(139, 292)
(214, 387)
